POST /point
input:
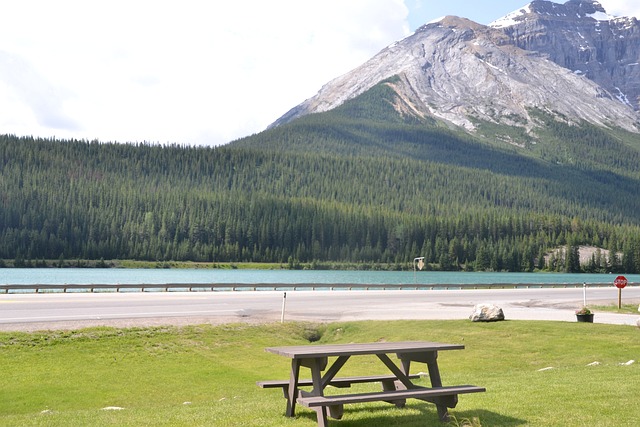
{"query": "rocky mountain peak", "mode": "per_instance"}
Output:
(452, 21)
(542, 9)
(581, 36)
(567, 59)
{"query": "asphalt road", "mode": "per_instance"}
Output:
(126, 309)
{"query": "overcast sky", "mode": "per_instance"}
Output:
(194, 71)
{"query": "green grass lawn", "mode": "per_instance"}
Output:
(206, 375)
(613, 308)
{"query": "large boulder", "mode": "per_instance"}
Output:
(486, 313)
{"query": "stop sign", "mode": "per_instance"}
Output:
(620, 282)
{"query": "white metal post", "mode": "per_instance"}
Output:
(284, 302)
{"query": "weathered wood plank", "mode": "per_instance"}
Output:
(330, 350)
(336, 382)
(415, 393)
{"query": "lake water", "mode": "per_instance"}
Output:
(82, 276)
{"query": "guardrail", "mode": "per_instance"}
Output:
(202, 287)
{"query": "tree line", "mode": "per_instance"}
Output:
(71, 199)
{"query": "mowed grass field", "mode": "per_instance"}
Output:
(536, 374)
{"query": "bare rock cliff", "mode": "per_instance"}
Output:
(461, 71)
(581, 36)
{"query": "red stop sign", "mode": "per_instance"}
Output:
(620, 282)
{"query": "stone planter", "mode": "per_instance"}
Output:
(586, 318)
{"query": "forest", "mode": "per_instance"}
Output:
(345, 186)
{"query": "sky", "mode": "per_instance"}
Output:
(194, 72)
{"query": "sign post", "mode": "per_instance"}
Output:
(420, 263)
(620, 283)
(284, 303)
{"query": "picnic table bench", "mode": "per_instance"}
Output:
(387, 382)
(396, 387)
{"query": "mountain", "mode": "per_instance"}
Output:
(534, 116)
(477, 147)
(572, 61)
(582, 37)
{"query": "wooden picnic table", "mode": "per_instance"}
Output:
(397, 386)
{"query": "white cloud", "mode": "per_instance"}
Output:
(28, 87)
(188, 72)
(621, 7)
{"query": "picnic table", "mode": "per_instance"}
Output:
(396, 386)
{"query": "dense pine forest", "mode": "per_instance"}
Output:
(358, 185)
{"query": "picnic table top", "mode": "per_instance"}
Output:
(352, 349)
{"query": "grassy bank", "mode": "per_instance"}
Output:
(613, 308)
(205, 375)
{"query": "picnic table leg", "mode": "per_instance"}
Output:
(317, 365)
(321, 415)
(292, 391)
(436, 381)
(390, 385)
(402, 374)
(406, 365)
(335, 411)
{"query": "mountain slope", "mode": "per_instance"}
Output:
(581, 163)
(462, 72)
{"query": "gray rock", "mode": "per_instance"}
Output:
(579, 66)
(486, 313)
(581, 36)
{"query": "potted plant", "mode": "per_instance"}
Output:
(584, 315)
